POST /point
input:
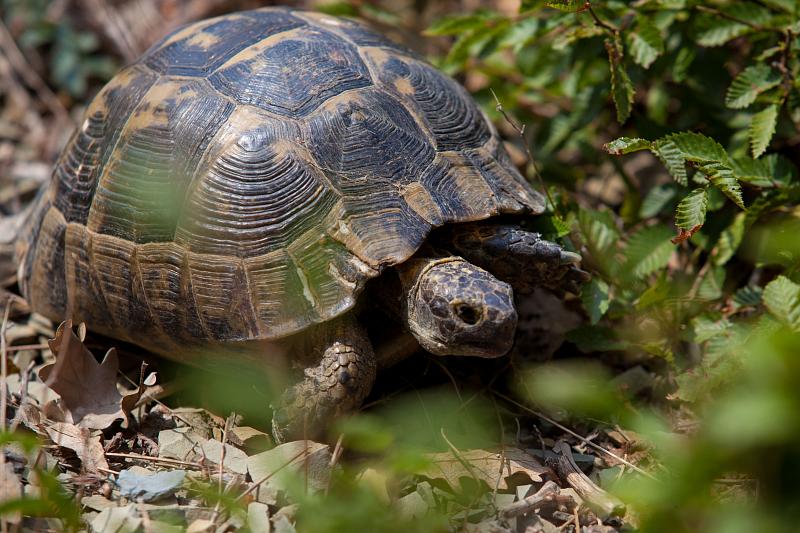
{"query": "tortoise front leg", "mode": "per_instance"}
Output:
(519, 257)
(337, 385)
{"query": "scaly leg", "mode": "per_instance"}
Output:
(516, 256)
(337, 385)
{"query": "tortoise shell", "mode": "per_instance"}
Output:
(249, 173)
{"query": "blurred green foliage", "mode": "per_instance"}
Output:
(707, 95)
(74, 55)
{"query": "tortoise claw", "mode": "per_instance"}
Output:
(569, 258)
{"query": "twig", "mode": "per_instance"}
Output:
(601, 502)
(225, 430)
(337, 452)
(520, 129)
(606, 26)
(546, 494)
(20, 347)
(150, 458)
(4, 368)
(576, 435)
(3, 398)
(732, 18)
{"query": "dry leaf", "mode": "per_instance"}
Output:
(10, 489)
(80, 440)
(88, 390)
(308, 459)
(504, 470)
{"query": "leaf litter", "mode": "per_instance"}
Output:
(125, 479)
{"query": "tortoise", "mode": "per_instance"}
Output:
(234, 189)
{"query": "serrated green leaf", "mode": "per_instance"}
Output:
(697, 147)
(751, 82)
(621, 87)
(717, 30)
(729, 241)
(626, 145)
(658, 199)
(600, 234)
(782, 298)
(691, 211)
(594, 296)
(720, 32)
(710, 287)
(453, 25)
(721, 176)
(570, 6)
(762, 128)
(648, 250)
(672, 158)
(748, 296)
(771, 170)
(705, 327)
(645, 42)
(683, 60)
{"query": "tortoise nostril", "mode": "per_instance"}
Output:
(467, 314)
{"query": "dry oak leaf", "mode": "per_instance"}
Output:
(80, 440)
(504, 470)
(88, 389)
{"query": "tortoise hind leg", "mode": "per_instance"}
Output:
(519, 257)
(342, 378)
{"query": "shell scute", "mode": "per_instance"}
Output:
(258, 194)
(293, 76)
(78, 169)
(200, 48)
(143, 183)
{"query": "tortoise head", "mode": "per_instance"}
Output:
(453, 307)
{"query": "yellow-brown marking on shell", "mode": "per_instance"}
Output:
(203, 39)
(194, 29)
(375, 58)
(473, 189)
(420, 200)
(253, 50)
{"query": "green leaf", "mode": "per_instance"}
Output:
(621, 87)
(571, 6)
(658, 199)
(453, 25)
(771, 170)
(645, 42)
(762, 127)
(599, 230)
(751, 82)
(729, 241)
(691, 211)
(669, 154)
(705, 327)
(594, 296)
(721, 176)
(717, 30)
(748, 296)
(683, 60)
(710, 287)
(648, 250)
(782, 299)
(626, 145)
(697, 147)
